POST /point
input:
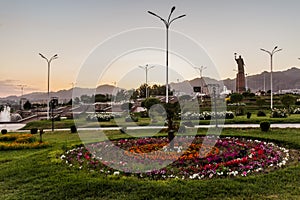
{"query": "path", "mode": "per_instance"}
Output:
(17, 126)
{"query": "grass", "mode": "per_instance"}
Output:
(38, 174)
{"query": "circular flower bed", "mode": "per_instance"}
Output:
(228, 157)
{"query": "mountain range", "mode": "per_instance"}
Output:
(282, 80)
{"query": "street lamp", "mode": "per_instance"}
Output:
(247, 74)
(22, 92)
(48, 62)
(167, 24)
(146, 68)
(200, 74)
(271, 64)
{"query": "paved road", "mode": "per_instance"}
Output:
(17, 126)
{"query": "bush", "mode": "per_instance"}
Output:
(296, 111)
(279, 113)
(3, 131)
(248, 115)
(33, 131)
(229, 115)
(144, 114)
(240, 111)
(264, 126)
(73, 129)
(261, 114)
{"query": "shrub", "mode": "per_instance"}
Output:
(261, 114)
(264, 126)
(229, 115)
(33, 131)
(279, 113)
(144, 114)
(240, 111)
(296, 111)
(3, 131)
(248, 115)
(73, 129)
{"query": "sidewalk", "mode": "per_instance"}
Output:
(16, 127)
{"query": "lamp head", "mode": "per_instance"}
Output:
(172, 9)
(42, 56)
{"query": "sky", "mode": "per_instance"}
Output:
(105, 42)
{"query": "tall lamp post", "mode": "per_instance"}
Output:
(48, 63)
(247, 74)
(146, 68)
(22, 92)
(271, 53)
(167, 24)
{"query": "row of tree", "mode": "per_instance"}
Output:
(155, 90)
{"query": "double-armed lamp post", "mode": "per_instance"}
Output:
(167, 23)
(48, 63)
(271, 53)
(146, 68)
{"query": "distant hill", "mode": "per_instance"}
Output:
(65, 94)
(282, 80)
(288, 79)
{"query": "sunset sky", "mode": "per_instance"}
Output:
(76, 29)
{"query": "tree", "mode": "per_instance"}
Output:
(70, 102)
(87, 99)
(133, 94)
(142, 90)
(236, 98)
(147, 103)
(248, 94)
(27, 105)
(287, 100)
(101, 98)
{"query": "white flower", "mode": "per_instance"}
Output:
(116, 173)
(220, 173)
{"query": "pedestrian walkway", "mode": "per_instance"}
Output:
(11, 126)
(17, 126)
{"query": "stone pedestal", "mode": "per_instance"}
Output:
(240, 82)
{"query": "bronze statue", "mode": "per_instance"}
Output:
(240, 63)
(240, 76)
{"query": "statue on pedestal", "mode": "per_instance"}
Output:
(240, 77)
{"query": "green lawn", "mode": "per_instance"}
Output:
(38, 174)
